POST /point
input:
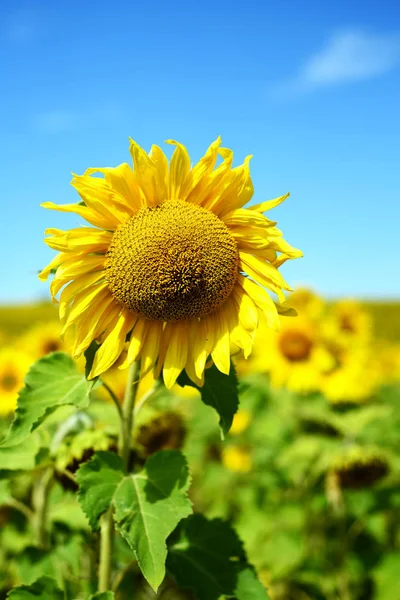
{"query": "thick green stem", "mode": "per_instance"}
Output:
(124, 449)
(40, 503)
(127, 413)
(106, 546)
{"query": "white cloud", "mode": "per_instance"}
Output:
(348, 56)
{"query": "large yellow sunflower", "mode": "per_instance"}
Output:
(173, 262)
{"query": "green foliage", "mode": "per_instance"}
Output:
(220, 392)
(148, 507)
(44, 588)
(103, 596)
(98, 479)
(208, 557)
(51, 382)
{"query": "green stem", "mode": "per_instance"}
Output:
(106, 545)
(40, 503)
(146, 397)
(124, 449)
(114, 399)
(127, 413)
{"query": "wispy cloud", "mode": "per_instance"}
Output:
(349, 56)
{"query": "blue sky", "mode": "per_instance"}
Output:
(311, 89)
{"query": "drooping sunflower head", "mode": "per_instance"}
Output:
(166, 431)
(173, 263)
(360, 467)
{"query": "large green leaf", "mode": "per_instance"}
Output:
(208, 557)
(148, 507)
(44, 588)
(220, 392)
(98, 479)
(51, 382)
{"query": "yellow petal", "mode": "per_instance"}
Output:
(262, 299)
(80, 265)
(215, 183)
(263, 272)
(247, 311)
(196, 176)
(221, 354)
(57, 260)
(136, 342)
(147, 174)
(178, 170)
(101, 198)
(81, 299)
(122, 181)
(199, 347)
(161, 162)
(112, 345)
(86, 213)
(176, 355)
(268, 204)
(94, 321)
(151, 346)
(83, 239)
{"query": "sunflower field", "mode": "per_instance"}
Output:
(184, 426)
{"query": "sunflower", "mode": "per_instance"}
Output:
(293, 357)
(42, 339)
(237, 459)
(173, 262)
(359, 467)
(13, 368)
(307, 303)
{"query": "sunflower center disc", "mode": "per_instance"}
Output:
(173, 261)
(295, 346)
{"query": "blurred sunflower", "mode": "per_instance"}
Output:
(353, 380)
(42, 339)
(348, 323)
(237, 459)
(294, 357)
(359, 467)
(307, 303)
(13, 368)
(166, 262)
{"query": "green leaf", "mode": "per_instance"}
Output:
(52, 381)
(148, 507)
(103, 596)
(90, 354)
(5, 491)
(98, 479)
(220, 392)
(248, 586)
(386, 576)
(21, 457)
(208, 557)
(44, 588)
